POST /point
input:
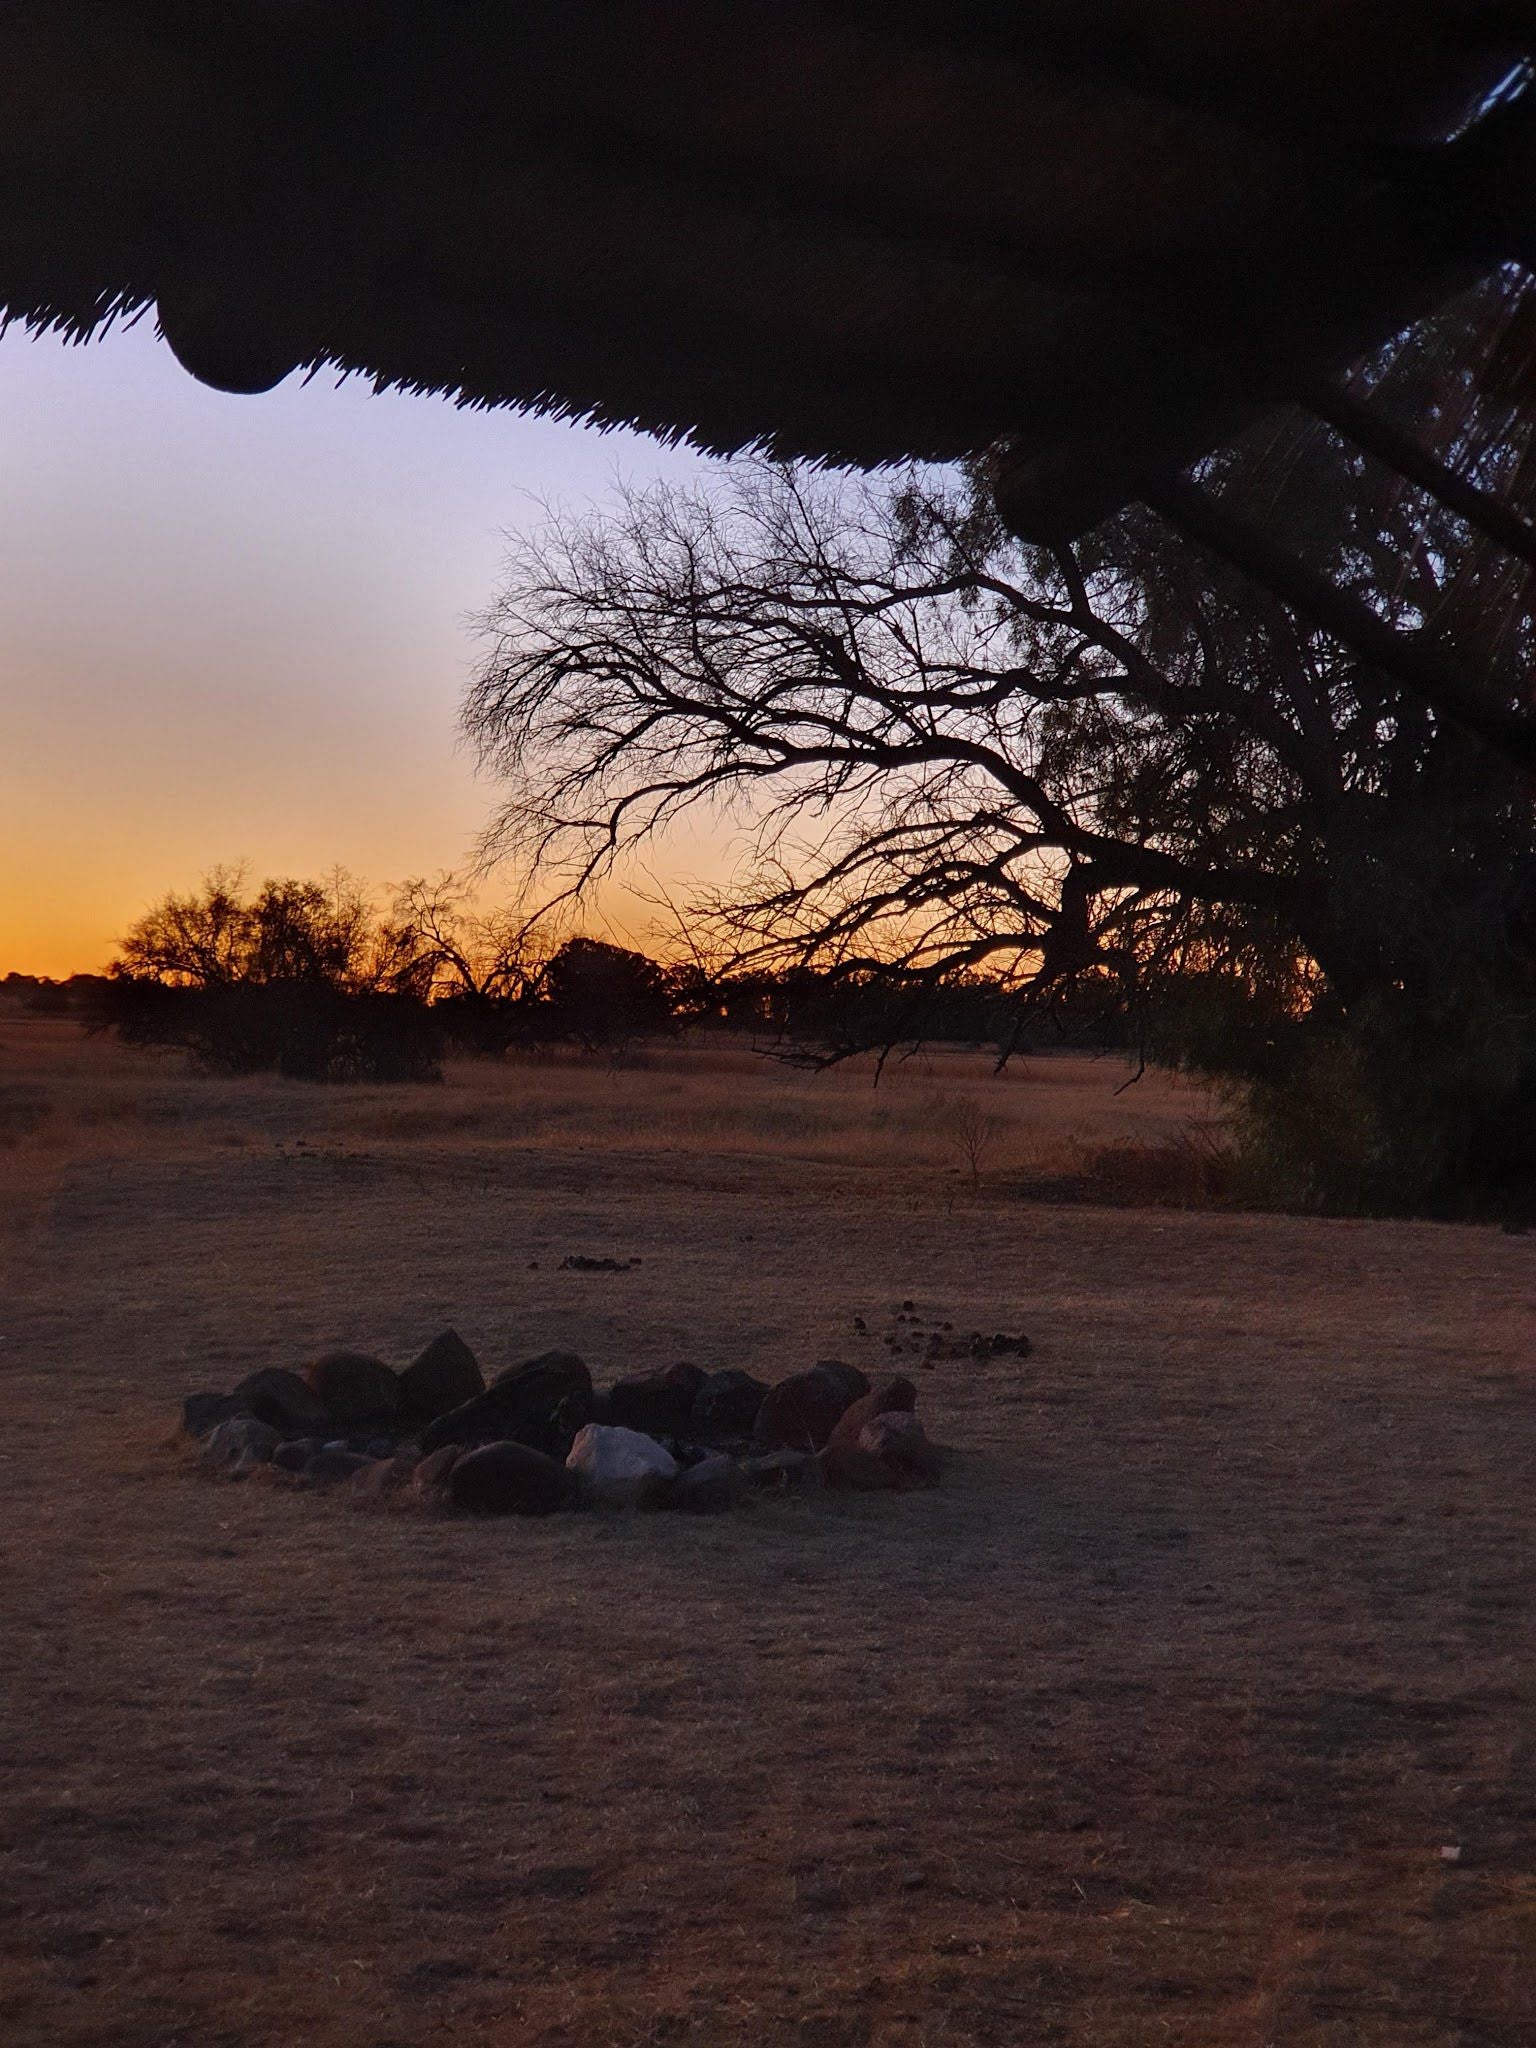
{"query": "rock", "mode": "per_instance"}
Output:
(712, 1487)
(237, 1446)
(656, 1403)
(283, 1399)
(201, 1414)
(432, 1471)
(328, 1467)
(800, 1413)
(784, 1472)
(899, 1444)
(442, 1378)
(846, 1378)
(541, 1403)
(619, 1468)
(383, 1476)
(354, 1387)
(295, 1455)
(506, 1479)
(727, 1405)
(846, 1460)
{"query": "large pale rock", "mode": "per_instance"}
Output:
(541, 1403)
(506, 1479)
(442, 1378)
(619, 1468)
(239, 1445)
(289, 1403)
(354, 1387)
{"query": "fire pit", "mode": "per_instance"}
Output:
(540, 1437)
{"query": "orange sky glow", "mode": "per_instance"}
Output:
(236, 629)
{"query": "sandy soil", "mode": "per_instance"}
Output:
(1152, 1726)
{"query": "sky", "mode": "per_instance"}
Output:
(238, 628)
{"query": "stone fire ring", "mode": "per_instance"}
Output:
(541, 1438)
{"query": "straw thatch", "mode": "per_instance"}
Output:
(858, 232)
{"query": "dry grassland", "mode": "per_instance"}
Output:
(1149, 1727)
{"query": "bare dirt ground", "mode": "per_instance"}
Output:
(1150, 1726)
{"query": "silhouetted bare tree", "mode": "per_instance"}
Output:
(1119, 763)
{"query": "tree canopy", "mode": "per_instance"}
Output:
(1116, 762)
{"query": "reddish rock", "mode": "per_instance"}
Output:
(507, 1479)
(541, 1403)
(353, 1387)
(899, 1444)
(384, 1476)
(847, 1460)
(433, 1470)
(444, 1377)
(656, 1403)
(800, 1413)
(282, 1399)
(726, 1406)
(846, 1378)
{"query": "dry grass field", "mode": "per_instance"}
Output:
(1151, 1726)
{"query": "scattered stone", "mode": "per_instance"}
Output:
(727, 1405)
(506, 1479)
(619, 1468)
(328, 1467)
(578, 1262)
(800, 1413)
(713, 1486)
(656, 1403)
(354, 1387)
(237, 1446)
(201, 1414)
(784, 1472)
(294, 1456)
(443, 1378)
(541, 1403)
(281, 1398)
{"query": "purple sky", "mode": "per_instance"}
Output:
(236, 627)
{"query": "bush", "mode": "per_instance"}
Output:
(302, 1030)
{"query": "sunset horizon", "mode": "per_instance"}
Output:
(239, 629)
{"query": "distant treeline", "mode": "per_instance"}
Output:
(309, 980)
